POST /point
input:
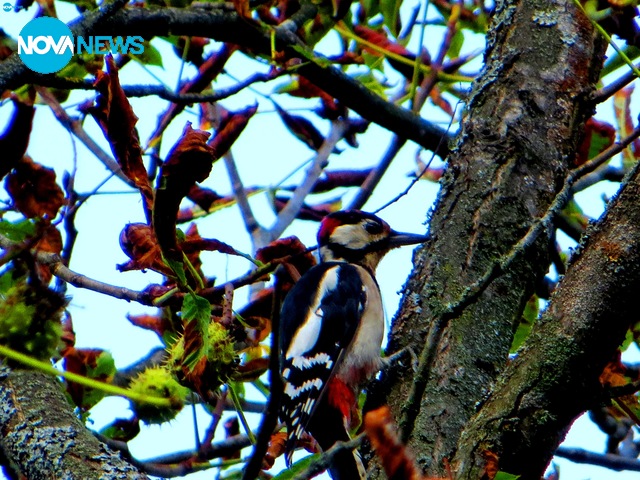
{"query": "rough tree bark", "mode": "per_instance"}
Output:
(42, 438)
(518, 138)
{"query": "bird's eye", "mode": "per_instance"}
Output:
(373, 228)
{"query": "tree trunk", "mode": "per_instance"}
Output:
(41, 438)
(524, 118)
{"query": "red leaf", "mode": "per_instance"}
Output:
(34, 190)
(115, 116)
(156, 323)
(302, 128)
(598, 136)
(14, 140)
(51, 242)
(230, 129)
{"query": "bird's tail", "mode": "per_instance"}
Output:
(327, 426)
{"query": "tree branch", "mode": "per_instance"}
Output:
(578, 334)
(293, 206)
(606, 460)
(226, 26)
(42, 438)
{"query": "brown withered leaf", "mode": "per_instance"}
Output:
(396, 459)
(276, 449)
(260, 304)
(243, 9)
(156, 323)
(50, 241)
(94, 363)
(230, 129)
(313, 213)
(115, 116)
(258, 328)
(440, 101)
(189, 162)
(301, 128)
(285, 247)
(252, 370)
(203, 197)
(332, 179)
(432, 174)
(139, 243)
(207, 72)
(14, 140)
(34, 190)
(491, 465)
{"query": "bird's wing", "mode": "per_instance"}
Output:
(319, 319)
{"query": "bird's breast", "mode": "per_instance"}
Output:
(362, 359)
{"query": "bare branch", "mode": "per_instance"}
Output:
(607, 460)
(293, 206)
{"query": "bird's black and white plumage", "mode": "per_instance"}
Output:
(332, 325)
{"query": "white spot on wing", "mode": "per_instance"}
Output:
(293, 392)
(306, 336)
(308, 362)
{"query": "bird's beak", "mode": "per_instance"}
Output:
(398, 239)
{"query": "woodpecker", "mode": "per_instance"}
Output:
(332, 324)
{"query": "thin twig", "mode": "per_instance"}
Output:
(373, 179)
(293, 206)
(607, 460)
(270, 417)
(325, 460)
(57, 267)
(255, 230)
(608, 90)
(73, 125)
(163, 92)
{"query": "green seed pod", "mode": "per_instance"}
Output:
(160, 383)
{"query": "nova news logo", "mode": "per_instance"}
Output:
(46, 45)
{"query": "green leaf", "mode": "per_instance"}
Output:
(528, 319)
(105, 366)
(178, 269)
(369, 80)
(298, 467)
(104, 369)
(195, 309)
(149, 56)
(374, 62)
(390, 10)
(505, 476)
(18, 231)
(456, 44)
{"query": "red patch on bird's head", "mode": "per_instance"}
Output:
(328, 225)
(344, 217)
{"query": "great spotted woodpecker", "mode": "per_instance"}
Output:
(332, 325)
